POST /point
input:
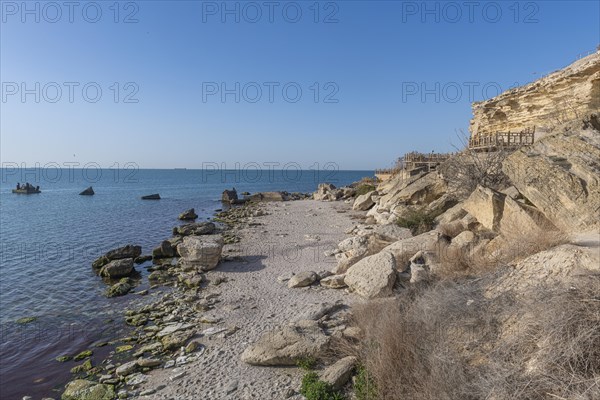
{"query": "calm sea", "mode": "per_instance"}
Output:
(49, 240)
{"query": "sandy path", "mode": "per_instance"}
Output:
(291, 238)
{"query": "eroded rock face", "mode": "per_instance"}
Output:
(373, 276)
(563, 95)
(560, 175)
(203, 252)
(287, 345)
(406, 189)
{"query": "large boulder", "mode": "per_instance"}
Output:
(373, 276)
(288, 345)
(229, 196)
(203, 252)
(165, 250)
(403, 250)
(368, 241)
(328, 192)
(364, 202)
(487, 206)
(268, 196)
(117, 268)
(560, 175)
(81, 389)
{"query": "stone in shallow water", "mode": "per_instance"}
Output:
(81, 389)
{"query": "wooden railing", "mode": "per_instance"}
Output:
(503, 140)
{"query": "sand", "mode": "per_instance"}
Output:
(291, 238)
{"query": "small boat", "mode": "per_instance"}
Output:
(151, 197)
(31, 190)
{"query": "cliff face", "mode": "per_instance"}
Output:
(571, 93)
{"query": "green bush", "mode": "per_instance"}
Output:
(364, 387)
(307, 363)
(364, 189)
(418, 221)
(315, 389)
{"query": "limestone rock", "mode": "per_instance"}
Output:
(334, 282)
(195, 228)
(464, 239)
(269, 196)
(487, 206)
(287, 345)
(328, 192)
(560, 176)
(339, 373)
(188, 215)
(562, 95)
(129, 251)
(302, 279)
(229, 196)
(364, 202)
(127, 369)
(81, 389)
(165, 250)
(373, 276)
(404, 250)
(117, 268)
(120, 288)
(203, 252)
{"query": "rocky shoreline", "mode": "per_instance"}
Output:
(177, 329)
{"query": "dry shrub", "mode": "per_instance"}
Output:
(518, 242)
(553, 350)
(448, 341)
(412, 345)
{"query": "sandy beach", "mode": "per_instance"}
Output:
(253, 298)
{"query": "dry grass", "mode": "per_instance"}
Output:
(519, 242)
(447, 341)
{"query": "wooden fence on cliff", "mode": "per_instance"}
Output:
(505, 140)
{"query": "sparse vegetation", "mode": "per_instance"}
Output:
(307, 363)
(451, 341)
(418, 220)
(364, 189)
(364, 387)
(468, 168)
(315, 389)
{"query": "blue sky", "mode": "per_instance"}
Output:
(368, 61)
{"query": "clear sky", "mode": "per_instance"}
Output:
(187, 82)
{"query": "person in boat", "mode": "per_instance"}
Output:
(37, 188)
(18, 186)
